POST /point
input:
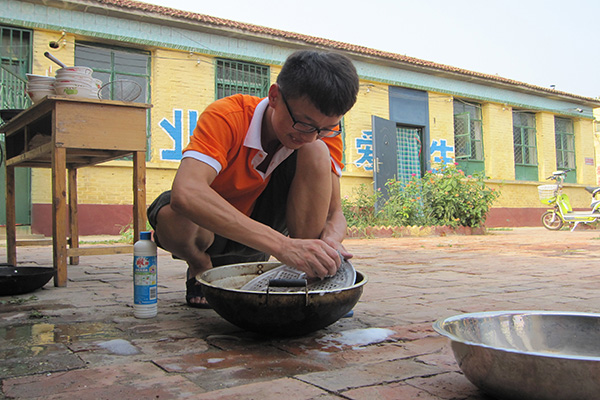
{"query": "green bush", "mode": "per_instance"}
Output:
(360, 212)
(445, 197)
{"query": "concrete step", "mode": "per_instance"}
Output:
(23, 233)
(26, 238)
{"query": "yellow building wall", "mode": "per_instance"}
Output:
(521, 194)
(498, 149)
(585, 150)
(441, 121)
(180, 83)
(546, 144)
(65, 53)
(372, 99)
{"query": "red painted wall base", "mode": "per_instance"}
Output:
(514, 217)
(100, 219)
(94, 219)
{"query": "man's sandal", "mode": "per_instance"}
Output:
(193, 289)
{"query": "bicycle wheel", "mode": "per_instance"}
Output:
(551, 220)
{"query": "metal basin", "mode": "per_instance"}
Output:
(534, 355)
(274, 313)
(19, 280)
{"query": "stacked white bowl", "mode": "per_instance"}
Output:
(39, 86)
(69, 81)
(77, 82)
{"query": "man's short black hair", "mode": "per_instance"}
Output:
(328, 79)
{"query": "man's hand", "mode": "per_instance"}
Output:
(313, 256)
(338, 247)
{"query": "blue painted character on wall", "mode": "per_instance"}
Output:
(443, 149)
(364, 144)
(439, 150)
(364, 147)
(175, 131)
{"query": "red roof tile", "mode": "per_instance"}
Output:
(361, 50)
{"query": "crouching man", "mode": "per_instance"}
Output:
(260, 177)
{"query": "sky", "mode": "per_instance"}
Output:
(541, 42)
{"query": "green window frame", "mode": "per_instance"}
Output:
(564, 134)
(468, 136)
(233, 77)
(113, 64)
(525, 146)
(16, 50)
(16, 54)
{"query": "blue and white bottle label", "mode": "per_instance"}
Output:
(144, 279)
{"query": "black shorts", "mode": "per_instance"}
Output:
(270, 209)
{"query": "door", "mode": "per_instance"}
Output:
(385, 148)
(22, 192)
(398, 152)
(410, 152)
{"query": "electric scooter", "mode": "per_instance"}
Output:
(562, 212)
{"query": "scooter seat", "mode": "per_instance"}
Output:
(593, 189)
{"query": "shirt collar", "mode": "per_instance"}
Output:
(253, 136)
(253, 140)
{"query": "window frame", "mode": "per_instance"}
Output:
(473, 158)
(227, 84)
(14, 66)
(568, 139)
(525, 170)
(114, 73)
(24, 58)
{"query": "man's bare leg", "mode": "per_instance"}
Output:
(186, 240)
(310, 192)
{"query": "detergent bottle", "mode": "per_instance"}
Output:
(145, 274)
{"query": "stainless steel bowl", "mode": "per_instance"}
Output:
(534, 355)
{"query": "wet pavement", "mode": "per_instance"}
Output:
(82, 341)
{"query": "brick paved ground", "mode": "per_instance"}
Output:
(62, 343)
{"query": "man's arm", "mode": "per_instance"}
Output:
(193, 197)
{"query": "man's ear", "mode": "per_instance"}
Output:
(273, 94)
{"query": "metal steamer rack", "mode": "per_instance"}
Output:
(285, 279)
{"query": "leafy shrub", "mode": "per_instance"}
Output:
(453, 199)
(404, 206)
(361, 211)
(444, 197)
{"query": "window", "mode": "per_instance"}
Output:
(234, 77)
(15, 63)
(565, 146)
(525, 146)
(128, 69)
(15, 50)
(468, 136)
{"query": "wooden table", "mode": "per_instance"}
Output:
(64, 134)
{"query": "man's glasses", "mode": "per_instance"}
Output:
(308, 128)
